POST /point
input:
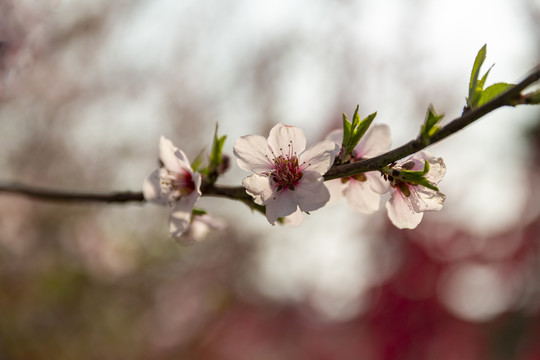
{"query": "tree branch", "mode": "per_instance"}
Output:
(511, 97)
(69, 196)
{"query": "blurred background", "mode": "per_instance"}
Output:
(87, 88)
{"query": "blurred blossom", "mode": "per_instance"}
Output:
(409, 201)
(476, 292)
(174, 184)
(201, 226)
(362, 191)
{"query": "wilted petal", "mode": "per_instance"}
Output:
(361, 197)
(152, 190)
(424, 199)
(319, 157)
(377, 140)
(181, 214)
(401, 212)
(281, 204)
(311, 192)
(253, 153)
(287, 140)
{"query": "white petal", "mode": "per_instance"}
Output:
(311, 192)
(181, 214)
(424, 199)
(319, 157)
(253, 153)
(437, 168)
(152, 190)
(287, 140)
(173, 158)
(336, 136)
(335, 188)
(295, 219)
(377, 140)
(361, 197)
(282, 204)
(200, 227)
(259, 187)
(376, 182)
(401, 213)
(197, 180)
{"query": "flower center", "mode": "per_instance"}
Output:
(178, 184)
(286, 173)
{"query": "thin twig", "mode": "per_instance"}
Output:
(69, 196)
(508, 98)
(511, 97)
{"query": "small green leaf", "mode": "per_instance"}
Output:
(426, 183)
(473, 83)
(346, 130)
(429, 128)
(363, 126)
(217, 147)
(492, 92)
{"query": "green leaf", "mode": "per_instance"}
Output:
(217, 147)
(473, 83)
(363, 126)
(429, 128)
(353, 131)
(346, 130)
(492, 92)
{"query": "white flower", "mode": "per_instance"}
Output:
(362, 191)
(200, 227)
(175, 184)
(408, 202)
(286, 177)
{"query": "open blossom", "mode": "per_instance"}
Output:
(175, 184)
(409, 201)
(362, 191)
(287, 177)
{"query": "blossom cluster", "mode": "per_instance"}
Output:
(288, 179)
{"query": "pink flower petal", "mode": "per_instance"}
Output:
(259, 187)
(336, 136)
(361, 197)
(173, 158)
(376, 182)
(377, 140)
(311, 192)
(152, 190)
(320, 157)
(281, 204)
(295, 219)
(181, 214)
(286, 140)
(424, 199)
(335, 188)
(253, 154)
(401, 213)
